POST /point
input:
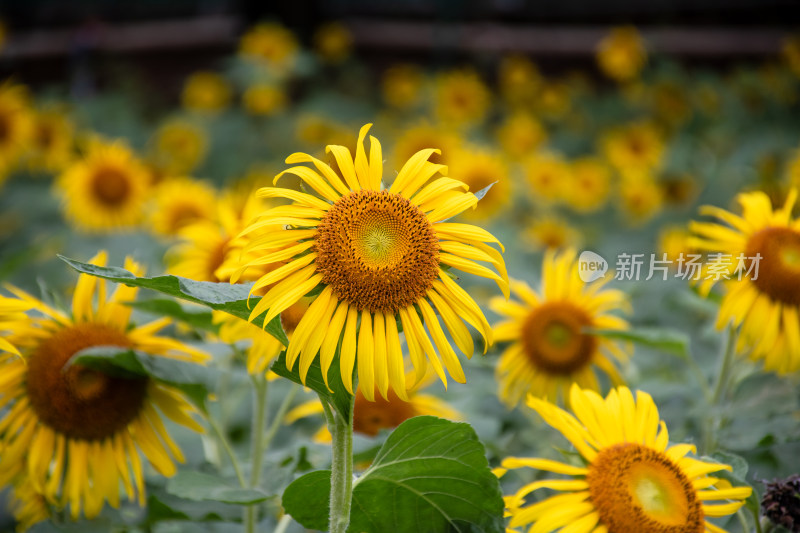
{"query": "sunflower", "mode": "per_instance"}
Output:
(178, 146)
(462, 98)
(12, 312)
(206, 92)
(28, 505)
(479, 168)
(551, 232)
(520, 134)
(793, 170)
(271, 44)
(51, 146)
(547, 174)
(671, 103)
(554, 100)
(417, 137)
(74, 431)
(550, 348)
(179, 202)
(639, 145)
(106, 190)
(764, 302)
(672, 242)
(377, 257)
(518, 80)
(372, 416)
(622, 55)
(642, 197)
(401, 85)
(632, 480)
(589, 186)
(264, 99)
(333, 42)
(15, 126)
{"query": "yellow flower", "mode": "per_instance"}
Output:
(520, 134)
(206, 92)
(518, 80)
(793, 170)
(74, 431)
(420, 136)
(674, 241)
(106, 190)
(589, 186)
(763, 302)
(316, 129)
(631, 480)
(621, 55)
(641, 196)
(549, 232)
(402, 85)
(550, 348)
(554, 100)
(333, 42)
(263, 99)
(671, 103)
(16, 126)
(28, 505)
(479, 168)
(377, 256)
(271, 44)
(12, 312)
(461, 98)
(372, 416)
(547, 174)
(178, 146)
(639, 145)
(179, 202)
(679, 190)
(791, 53)
(51, 146)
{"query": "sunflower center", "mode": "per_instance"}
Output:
(80, 402)
(553, 339)
(5, 126)
(636, 489)
(111, 186)
(45, 136)
(377, 251)
(779, 266)
(183, 215)
(371, 417)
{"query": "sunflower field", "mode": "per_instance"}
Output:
(315, 296)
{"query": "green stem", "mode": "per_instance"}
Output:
(720, 388)
(283, 524)
(260, 389)
(277, 422)
(764, 525)
(341, 468)
(223, 440)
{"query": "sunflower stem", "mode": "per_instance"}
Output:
(279, 416)
(223, 441)
(341, 468)
(260, 390)
(723, 378)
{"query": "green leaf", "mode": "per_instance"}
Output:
(666, 340)
(230, 298)
(197, 318)
(430, 475)
(337, 396)
(192, 379)
(198, 486)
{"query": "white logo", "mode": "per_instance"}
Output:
(591, 266)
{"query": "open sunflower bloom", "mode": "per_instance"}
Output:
(73, 431)
(378, 258)
(759, 252)
(632, 481)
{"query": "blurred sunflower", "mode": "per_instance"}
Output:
(264, 99)
(793, 170)
(679, 190)
(622, 55)
(642, 197)
(270, 43)
(416, 138)
(521, 134)
(518, 81)
(372, 416)
(791, 53)
(16, 126)
(550, 348)
(178, 146)
(589, 186)
(551, 232)
(674, 241)
(51, 146)
(28, 505)
(401, 85)
(74, 431)
(206, 92)
(333, 42)
(478, 168)
(554, 100)
(179, 202)
(462, 99)
(106, 190)
(315, 129)
(639, 145)
(631, 480)
(377, 256)
(764, 302)
(671, 104)
(12, 312)
(547, 175)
